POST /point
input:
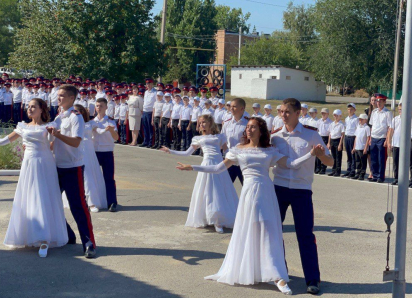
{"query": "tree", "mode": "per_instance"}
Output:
(9, 21)
(114, 39)
(231, 19)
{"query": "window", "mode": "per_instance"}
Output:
(260, 76)
(240, 76)
(274, 77)
(306, 78)
(288, 78)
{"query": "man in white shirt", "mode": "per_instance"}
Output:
(70, 167)
(381, 120)
(184, 123)
(304, 117)
(233, 129)
(156, 115)
(54, 103)
(351, 122)
(148, 103)
(165, 121)
(219, 113)
(294, 186)
(174, 123)
(323, 130)
(8, 103)
(196, 112)
(17, 100)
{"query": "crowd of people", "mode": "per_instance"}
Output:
(69, 131)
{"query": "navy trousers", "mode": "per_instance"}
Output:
(16, 113)
(7, 113)
(147, 128)
(351, 161)
(378, 158)
(235, 172)
(2, 111)
(186, 134)
(53, 112)
(71, 180)
(122, 132)
(106, 161)
(302, 208)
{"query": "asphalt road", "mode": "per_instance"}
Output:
(144, 250)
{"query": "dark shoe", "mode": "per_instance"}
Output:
(351, 176)
(322, 173)
(313, 287)
(317, 171)
(410, 185)
(71, 241)
(336, 175)
(356, 177)
(345, 175)
(372, 180)
(113, 207)
(90, 252)
(381, 180)
(331, 174)
(395, 182)
(153, 147)
(143, 145)
(124, 143)
(361, 177)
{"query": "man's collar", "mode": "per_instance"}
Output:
(298, 128)
(67, 113)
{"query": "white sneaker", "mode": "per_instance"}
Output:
(94, 209)
(219, 229)
(284, 289)
(43, 250)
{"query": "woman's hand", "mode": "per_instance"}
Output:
(165, 149)
(184, 167)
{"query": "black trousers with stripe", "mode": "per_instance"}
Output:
(106, 161)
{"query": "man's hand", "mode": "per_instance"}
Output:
(109, 128)
(319, 150)
(385, 144)
(188, 128)
(365, 151)
(54, 132)
(353, 151)
(179, 127)
(340, 147)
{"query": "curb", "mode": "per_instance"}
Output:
(9, 172)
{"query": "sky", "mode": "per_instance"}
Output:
(266, 15)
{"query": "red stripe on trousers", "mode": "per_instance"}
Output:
(84, 205)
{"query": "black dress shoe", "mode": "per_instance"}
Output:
(372, 180)
(317, 171)
(71, 241)
(356, 177)
(313, 287)
(143, 145)
(336, 175)
(395, 182)
(381, 180)
(90, 252)
(331, 174)
(345, 175)
(322, 173)
(361, 177)
(113, 207)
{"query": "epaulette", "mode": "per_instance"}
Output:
(310, 127)
(76, 112)
(247, 118)
(110, 118)
(277, 130)
(228, 119)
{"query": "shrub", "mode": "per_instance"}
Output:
(11, 155)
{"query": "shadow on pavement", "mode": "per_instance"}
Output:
(153, 208)
(331, 229)
(6, 200)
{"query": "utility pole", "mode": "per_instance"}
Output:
(163, 29)
(399, 283)
(240, 43)
(395, 67)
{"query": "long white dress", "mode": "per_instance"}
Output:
(255, 253)
(37, 213)
(94, 186)
(214, 199)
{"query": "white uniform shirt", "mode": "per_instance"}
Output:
(71, 124)
(258, 115)
(277, 122)
(396, 126)
(202, 102)
(296, 144)
(149, 100)
(110, 109)
(8, 98)
(362, 133)
(101, 94)
(176, 111)
(27, 97)
(336, 130)
(123, 109)
(380, 120)
(157, 108)
(313, 122)
(196, 112)
(82, 102)
(102, 140)
(351, 124)
(233, 130)
(91, 105)
(209, 111)
(219, 113)
(323, 127)
(227, 116)
(304, 119)
(167, 109)
(17, 94)
(269, 121)
(54, 102)
(214, 100)
(186, 113)
(2, 90)
(116, 111)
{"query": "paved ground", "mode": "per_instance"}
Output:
(144, 250)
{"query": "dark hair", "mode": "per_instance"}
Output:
(293, 103)
(45, 116)
(211, 121)
(70, 89)
(240, 101)
(264, 140)
(102, 99)
(83, 111)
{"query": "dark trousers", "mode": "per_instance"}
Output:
(53, 112)
(351, 162)
(361, 162)
(396, 163)
(318, 164)
(378, 158)
(337, 156)
(16, 112)
(219, 127)
(165, 133)
(302, 208)
(193, 126)
(147, 128)
(2, 111)
(235, 172)
(156, 122)
(7, 113)
(177, 135)
(186, 134)
(71, 181)
(122, 131)
(106, 161)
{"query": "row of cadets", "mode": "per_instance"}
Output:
(273, 122)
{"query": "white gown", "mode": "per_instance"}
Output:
(94, 186)
(214, 199)
(37, 213)
(255, 253)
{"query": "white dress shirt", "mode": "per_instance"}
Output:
(313, 122)
(380, 120)
(304, 119)
(54, 102)
(186, 113)
(116, 111)
(219, 113)
(157, 108)
(123, 109)
(269, 121)
(362, 133)
(176, 111)
(8, 98)
(233, 130)
(17, 94)
(257, 115)
(351, 124)
(91, 105)
(149, 100)
(167, 109)
(110, 109)
(101, 94)
(102, 139)
(209, 111)
(323, 127)
(196, 113)
(277, 122)
(336, 130)
(296, 144)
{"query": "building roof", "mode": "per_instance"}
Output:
(266, 66)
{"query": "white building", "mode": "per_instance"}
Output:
(276, 82)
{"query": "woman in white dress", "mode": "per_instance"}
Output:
(255, 252)
(37, 218)
(135, 104)
(214, 199)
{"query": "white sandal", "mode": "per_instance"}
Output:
(219, 229)
(284, 289)
(43, 250)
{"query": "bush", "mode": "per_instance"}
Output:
(360, 93)
(11, 155)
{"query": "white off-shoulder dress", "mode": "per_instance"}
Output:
(37, 213)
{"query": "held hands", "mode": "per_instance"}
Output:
(53, 131)
(165, 149)
(184, 167)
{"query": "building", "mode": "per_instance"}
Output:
(276, 82)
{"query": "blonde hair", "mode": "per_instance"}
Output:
(213, 126)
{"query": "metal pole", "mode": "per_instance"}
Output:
(395, 67)
(240, 44)
(399, 284)
(163, 29)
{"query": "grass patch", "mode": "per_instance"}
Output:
(11, 155)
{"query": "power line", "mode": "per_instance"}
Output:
(266, 3)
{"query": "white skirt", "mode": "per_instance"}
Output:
(134, 122)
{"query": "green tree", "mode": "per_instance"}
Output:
(9, 21)
(113, 39)
(231, 19)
